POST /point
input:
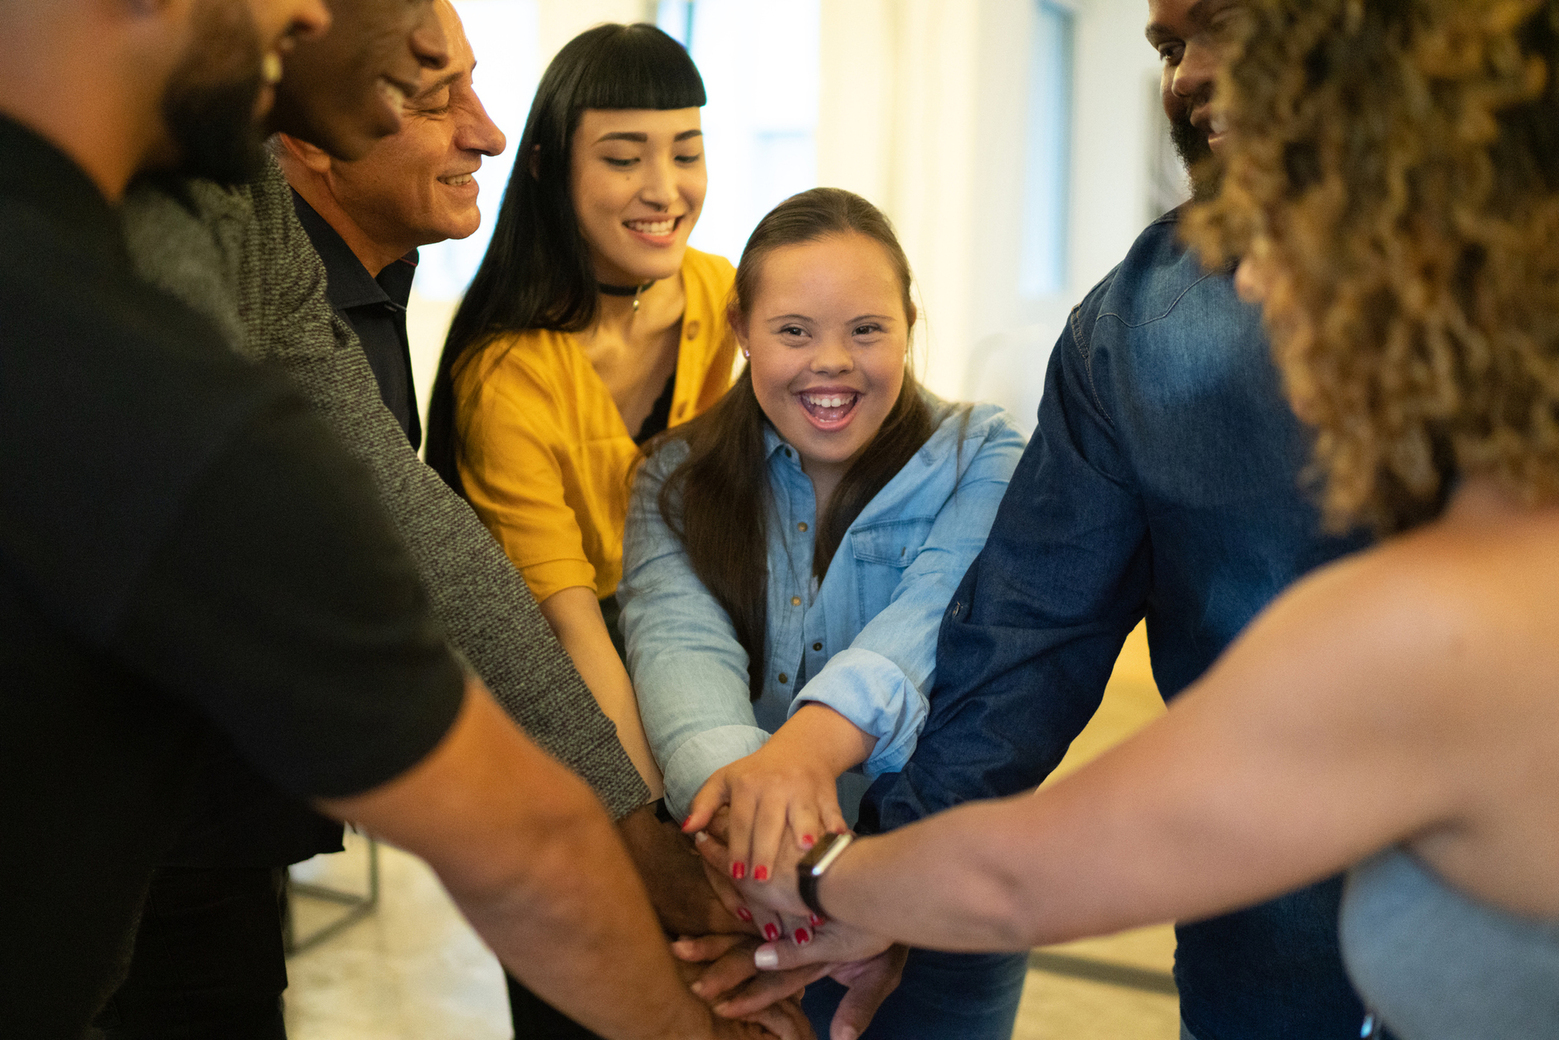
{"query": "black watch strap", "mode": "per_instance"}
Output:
(815, 864)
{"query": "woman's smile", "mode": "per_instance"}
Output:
(829, 408)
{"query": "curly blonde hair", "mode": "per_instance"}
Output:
(1394, 175)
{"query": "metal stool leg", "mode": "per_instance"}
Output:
(357, 906)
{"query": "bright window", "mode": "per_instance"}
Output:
(760, 63)
(1047, 169)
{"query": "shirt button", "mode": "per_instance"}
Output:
(784, 678)
(817, 646)
(795, 601)
(802, 526)
(693, 329)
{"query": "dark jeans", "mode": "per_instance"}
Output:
(208, 962)
(943, 996)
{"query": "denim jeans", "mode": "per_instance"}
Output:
(944, 996)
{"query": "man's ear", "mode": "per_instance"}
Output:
(313, 158)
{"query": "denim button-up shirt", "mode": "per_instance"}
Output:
(1163, 480)
(862, 642)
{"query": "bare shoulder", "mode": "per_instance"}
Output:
(1448, 630)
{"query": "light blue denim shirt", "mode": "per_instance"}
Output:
(863, 642)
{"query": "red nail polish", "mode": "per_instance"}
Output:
(771, 931)
(803, 937)
(744, 913)
(738, 870)
(760, 873)
(807, 841)
(816, 921)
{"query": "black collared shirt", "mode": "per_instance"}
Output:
(188, 561)
(376, 310)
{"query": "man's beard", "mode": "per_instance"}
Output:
(210, 103)
(1201, 164)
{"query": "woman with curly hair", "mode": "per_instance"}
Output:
(1392, 187)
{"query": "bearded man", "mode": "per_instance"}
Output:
(1163, 481)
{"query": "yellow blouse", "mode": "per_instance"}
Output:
(544, 454)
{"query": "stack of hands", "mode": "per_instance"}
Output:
(747, 943)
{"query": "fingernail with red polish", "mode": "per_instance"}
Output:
(760, 873)
(807, 841)
(738, 870)
(816, 921)
(771, 931)
(803, 936)
(744, 913)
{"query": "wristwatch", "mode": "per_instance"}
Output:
(815, 864)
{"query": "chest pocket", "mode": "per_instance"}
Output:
(881, 552)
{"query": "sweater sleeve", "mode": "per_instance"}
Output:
(489, 614)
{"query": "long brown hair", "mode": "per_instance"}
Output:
(1395, 166)
(717, 500)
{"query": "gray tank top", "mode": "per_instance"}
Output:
(1435, 965)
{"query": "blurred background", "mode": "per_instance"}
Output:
(1017, 145)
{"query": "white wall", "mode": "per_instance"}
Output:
(924, 111)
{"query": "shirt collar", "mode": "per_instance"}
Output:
(773, 442)
(348, 283)
(33, 170)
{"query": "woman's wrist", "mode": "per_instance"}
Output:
(826, 737)
(815, 865)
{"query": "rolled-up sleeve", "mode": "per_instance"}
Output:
(880, 681)
(689, 671)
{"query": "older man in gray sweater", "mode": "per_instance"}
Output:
(241, 258)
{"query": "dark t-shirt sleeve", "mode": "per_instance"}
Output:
(282, 607)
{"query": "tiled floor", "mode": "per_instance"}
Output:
(414, 970)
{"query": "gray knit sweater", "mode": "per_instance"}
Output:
(241, 258)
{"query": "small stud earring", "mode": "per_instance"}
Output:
(747, 354)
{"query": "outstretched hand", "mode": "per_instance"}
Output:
(688, 896)
(774, 797)
(729, 977)
(782, 1021)
(774, 904)
(785, 793)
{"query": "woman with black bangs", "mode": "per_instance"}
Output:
(590, 326)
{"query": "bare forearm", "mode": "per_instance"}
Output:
(942, 884)
(534, 862)
(575, 617)
(577, 929)
(821, 733)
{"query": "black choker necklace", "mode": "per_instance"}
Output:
(623, 290)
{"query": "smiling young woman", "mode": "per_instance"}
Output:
(589, 327)
(788, 559)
